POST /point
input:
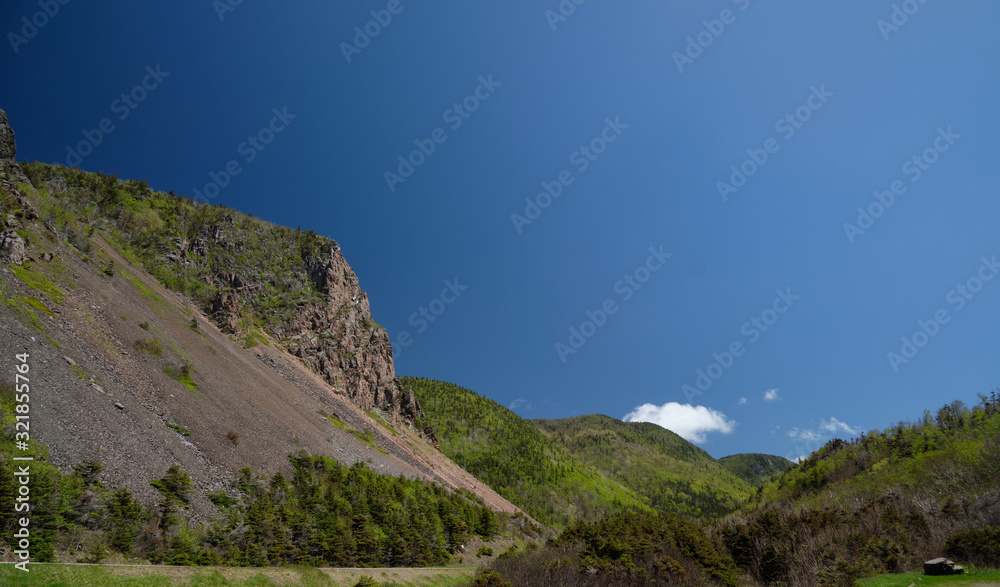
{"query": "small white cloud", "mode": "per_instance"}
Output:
(833, 426)
(689, 422)
(520, 403)
(799, 459)
(805, 435)
(743, 401)
(771, 395)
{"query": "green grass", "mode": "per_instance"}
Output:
(37, 304)
(38, 282)
(182, 374)
(970, 577)
(150, 346)
(140, 287)
(366, 437)
(374, 416)
(57, 575)
(179, 429)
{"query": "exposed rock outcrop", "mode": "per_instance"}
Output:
(8, 149)
(12, 249)
(339, 340)
(226, 312)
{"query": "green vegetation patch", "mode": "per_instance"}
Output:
(183, 375)
(38, 282)
(140, 287)
(149, 346)
(37, 304)
(374, 416)
(179, 429)
(366, 437)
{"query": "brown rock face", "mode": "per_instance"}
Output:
(226, 313)
(340, 341)
(12, 249)
(7, 147)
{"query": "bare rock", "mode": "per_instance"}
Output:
(12, 248)
(7, 146)
(226, 312)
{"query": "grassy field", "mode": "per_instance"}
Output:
(978, 577)
(61, 575)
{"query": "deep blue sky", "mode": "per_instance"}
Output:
(884, 101)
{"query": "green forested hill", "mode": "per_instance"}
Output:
(516, 460)
(562, 471)
(668, 472)
(755, 468)
(882, 503)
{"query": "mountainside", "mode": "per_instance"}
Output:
(243, 342)
(882, 503)
(515, 459)
(755, 468)
(669, 473)
(562, 471)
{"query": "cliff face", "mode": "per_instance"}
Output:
(247, 275)
(340, 341)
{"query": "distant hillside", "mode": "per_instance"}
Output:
(562, 471)
(515, 459)
(755, 468)
(881, 503)
(669, 473)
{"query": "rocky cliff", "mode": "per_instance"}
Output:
(249, 276)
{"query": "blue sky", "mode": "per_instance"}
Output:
(635, 114)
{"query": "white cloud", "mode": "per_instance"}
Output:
(520, 403)
(771, 395)
(743, 401)
(800, 458)
(689, 422)
(806, 435)
(834, 426)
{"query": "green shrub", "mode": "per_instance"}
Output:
(980, 546)
(150, 346)
(484, 551)
(490, 578)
